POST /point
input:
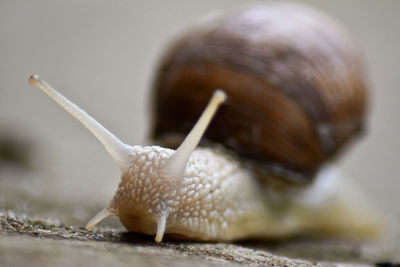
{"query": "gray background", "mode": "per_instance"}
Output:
(102, 54)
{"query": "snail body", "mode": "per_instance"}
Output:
(205, 194)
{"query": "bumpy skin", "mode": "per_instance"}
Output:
(219, 200)
(216, 200)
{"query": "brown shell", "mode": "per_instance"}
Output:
(295, 82)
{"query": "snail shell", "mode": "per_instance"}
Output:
(295, 81)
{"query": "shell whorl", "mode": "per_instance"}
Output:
(295, 80)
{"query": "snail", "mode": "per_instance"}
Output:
(305, 79)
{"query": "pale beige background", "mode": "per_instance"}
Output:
(101, 54)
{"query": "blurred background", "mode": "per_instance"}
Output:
(102, 55)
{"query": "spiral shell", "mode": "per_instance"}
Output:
(295, 82)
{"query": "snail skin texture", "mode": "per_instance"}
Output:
(308, 102)
(203, 194)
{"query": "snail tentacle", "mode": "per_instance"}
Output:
(115, 147)
(175, 166)
(161, 224)
(104, 213)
